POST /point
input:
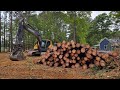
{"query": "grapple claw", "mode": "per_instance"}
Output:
(17, 57)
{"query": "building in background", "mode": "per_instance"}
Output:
(106, 44)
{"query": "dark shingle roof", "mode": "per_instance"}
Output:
(115, 42)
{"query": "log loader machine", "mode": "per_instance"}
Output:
(40, 46)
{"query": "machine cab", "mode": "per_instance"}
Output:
(45, 44)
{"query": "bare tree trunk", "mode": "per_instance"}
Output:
(4, 34)
(9, 43)
(0, 31)
(74, 37)
(11, 37)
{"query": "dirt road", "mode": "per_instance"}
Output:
(26, 69)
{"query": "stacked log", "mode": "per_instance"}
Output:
(74, 55)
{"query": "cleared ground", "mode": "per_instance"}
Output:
(26, 69)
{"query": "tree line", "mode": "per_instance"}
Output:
(58, 26)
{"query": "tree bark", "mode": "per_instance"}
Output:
(74, 37)
(0, 31)
(4, 32)
(11, 37)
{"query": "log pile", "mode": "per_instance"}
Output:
(74, 55)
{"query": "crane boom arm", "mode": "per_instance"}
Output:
(17, 52)
(34, 32)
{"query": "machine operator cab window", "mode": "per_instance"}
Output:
(45, 44)
(48, 44)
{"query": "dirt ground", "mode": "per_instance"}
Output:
(26, 69)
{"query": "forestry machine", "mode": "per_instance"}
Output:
(41, 45)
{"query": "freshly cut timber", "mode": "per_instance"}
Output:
(75, 55)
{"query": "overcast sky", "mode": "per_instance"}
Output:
(95, 13)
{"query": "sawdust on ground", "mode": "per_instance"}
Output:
(26, 69)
